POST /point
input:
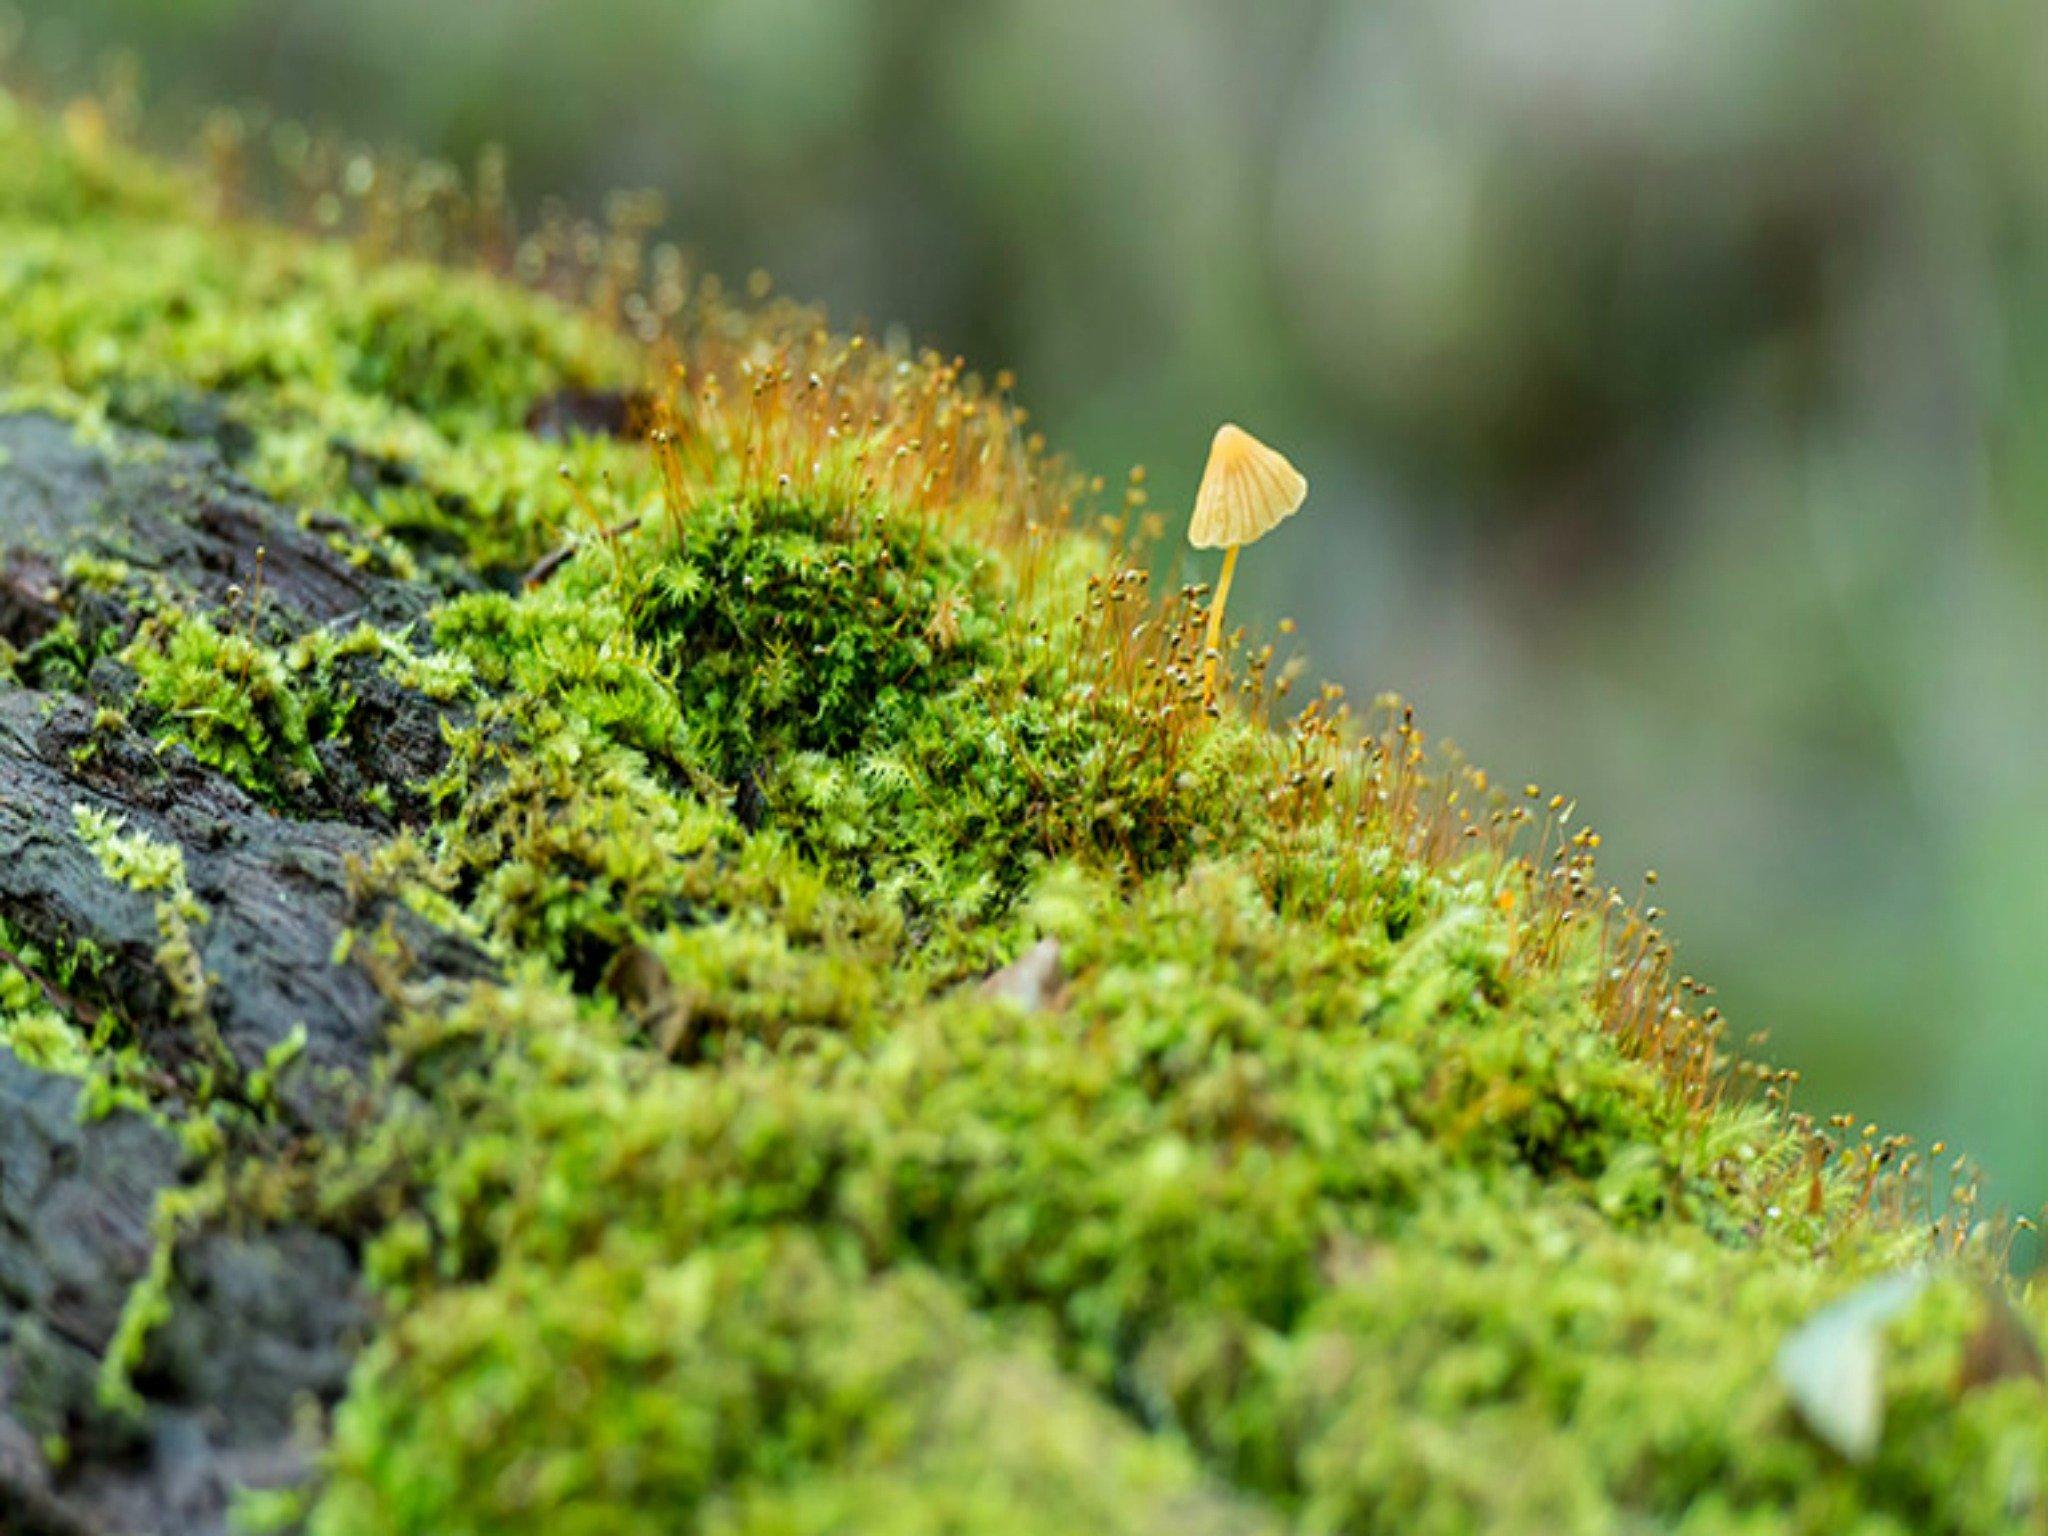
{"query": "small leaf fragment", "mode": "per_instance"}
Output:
(1833, 1364)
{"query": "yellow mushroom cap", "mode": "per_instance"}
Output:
(1246, 489)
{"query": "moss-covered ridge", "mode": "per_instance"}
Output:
(1361, 1166)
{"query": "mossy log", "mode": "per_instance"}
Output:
(275, 885)
(254, 1323)
(624, 914)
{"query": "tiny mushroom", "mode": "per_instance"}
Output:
(1246, 489)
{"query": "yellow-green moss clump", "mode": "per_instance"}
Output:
(1357, 1168)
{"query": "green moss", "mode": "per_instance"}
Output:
(57, 661)
(96, 573)
(227, 697)
(1343, 1178)
(787, 629)
(714, 1382)
(393, 390)
(1379, 1254)
(847, 683)
(41, 1026)
(44, 1039)
(68, 174)
(136, 861)
(460, 348)
(31, 1027)
(148, 1305)
(141, 864)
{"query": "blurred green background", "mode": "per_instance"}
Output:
(1672, 379)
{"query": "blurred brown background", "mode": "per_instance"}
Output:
(1671, 378)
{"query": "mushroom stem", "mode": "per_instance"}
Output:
(1213, 646)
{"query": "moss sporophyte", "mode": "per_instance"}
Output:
(1368, 1164)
